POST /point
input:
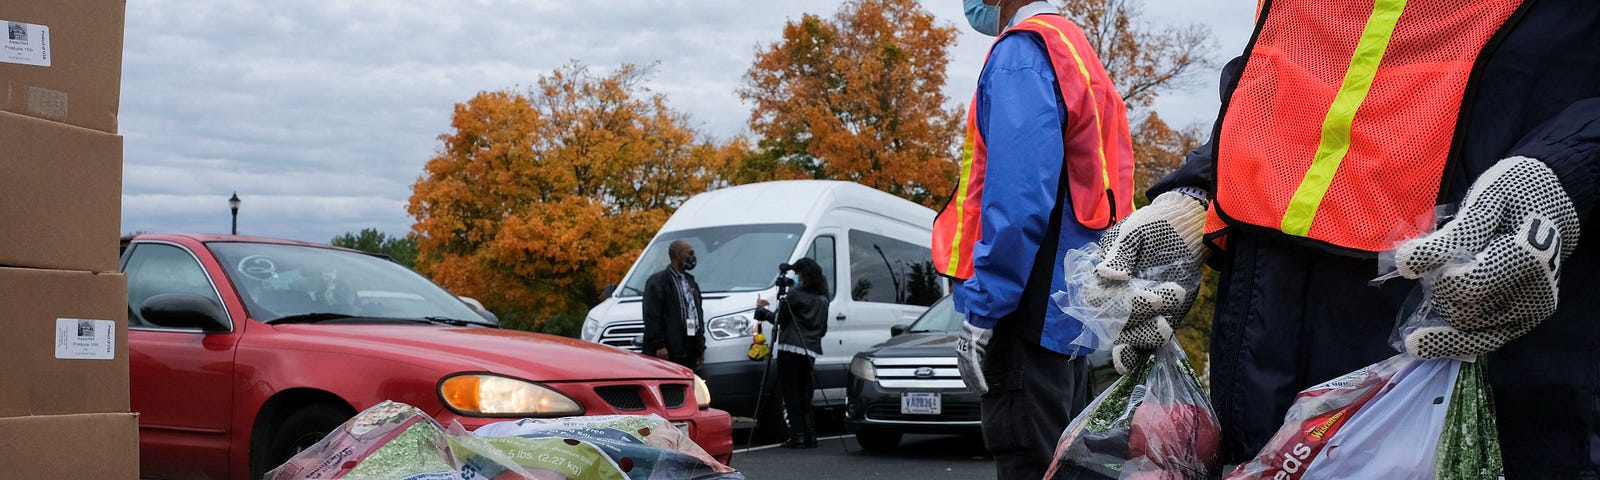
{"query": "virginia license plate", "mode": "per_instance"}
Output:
(920, 403)
(682, 427)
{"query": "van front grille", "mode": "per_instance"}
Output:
(622, 334)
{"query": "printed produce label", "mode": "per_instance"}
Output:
(26, 43)
(80, 339)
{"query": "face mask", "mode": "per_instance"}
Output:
(688, 263)
(983, 17)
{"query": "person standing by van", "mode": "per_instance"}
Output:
(674, 325)
(1047, 166)
(802, 320)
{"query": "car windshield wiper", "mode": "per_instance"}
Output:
(309, 318)
(453, 321)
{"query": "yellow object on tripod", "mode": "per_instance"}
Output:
(758, 346)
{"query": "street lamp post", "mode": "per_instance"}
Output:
(233, 204)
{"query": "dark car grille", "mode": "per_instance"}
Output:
(948, 413)
(622, 397)
(621, 334)
(673, 395)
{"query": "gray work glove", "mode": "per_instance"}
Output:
(1497, 264)
(970, 347)
(1160, 244)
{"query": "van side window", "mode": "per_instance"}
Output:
(886, 270)
(822, 250)
(155, 269)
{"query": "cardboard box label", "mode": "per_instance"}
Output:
(26, 43)
(79, 339)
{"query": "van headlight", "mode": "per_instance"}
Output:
(702, 393)
(862, 368)
(591, 329)
(487, 395)
(732, 326)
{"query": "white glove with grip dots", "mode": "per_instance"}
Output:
(1495, 266)
(1160, 243)
(970, 347)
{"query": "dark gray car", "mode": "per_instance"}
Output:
(910, 384)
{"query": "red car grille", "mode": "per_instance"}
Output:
(621, 397)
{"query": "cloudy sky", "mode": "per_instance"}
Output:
(321, 113)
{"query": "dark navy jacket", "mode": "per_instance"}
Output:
(1535, 93)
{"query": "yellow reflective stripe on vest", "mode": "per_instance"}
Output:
(967, 159)
(1335, 142)
(1105, 171)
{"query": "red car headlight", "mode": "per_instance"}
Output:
(487, 395)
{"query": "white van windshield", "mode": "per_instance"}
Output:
(734, 258)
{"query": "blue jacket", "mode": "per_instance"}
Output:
(1020, 115)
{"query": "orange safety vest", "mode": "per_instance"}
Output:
(1341, 124)
(1098, 164)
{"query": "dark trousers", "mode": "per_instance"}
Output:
(688, 361)
(1290, 316)
(794, 383)
(1033, 394)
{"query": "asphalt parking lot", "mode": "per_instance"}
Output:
(839, 456)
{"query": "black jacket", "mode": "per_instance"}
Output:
(663, 318)
(802, 320)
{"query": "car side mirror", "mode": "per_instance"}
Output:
(606, 292)
(896, 330)
(477, 307)
(184, 310)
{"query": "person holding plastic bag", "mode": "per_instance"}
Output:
(1340, 124)
(1047, 168)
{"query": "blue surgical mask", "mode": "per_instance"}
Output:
(983, 17)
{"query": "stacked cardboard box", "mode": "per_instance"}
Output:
(64, 389)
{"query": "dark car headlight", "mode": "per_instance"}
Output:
(862, 368)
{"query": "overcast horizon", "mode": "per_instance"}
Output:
(322, 114)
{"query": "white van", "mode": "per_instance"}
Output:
(873, 247)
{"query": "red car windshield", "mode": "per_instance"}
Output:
(279, 281)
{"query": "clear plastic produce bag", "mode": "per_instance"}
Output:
(1153, 423)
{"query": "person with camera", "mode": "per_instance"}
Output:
(802, 320)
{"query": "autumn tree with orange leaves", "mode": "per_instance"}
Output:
(537, 198)
(857, 96)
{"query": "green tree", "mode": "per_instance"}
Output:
(403, 249)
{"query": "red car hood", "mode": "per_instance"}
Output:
(526, 355)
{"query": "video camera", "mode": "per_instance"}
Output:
(784, 282)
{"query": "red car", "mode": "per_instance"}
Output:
(246, 350)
